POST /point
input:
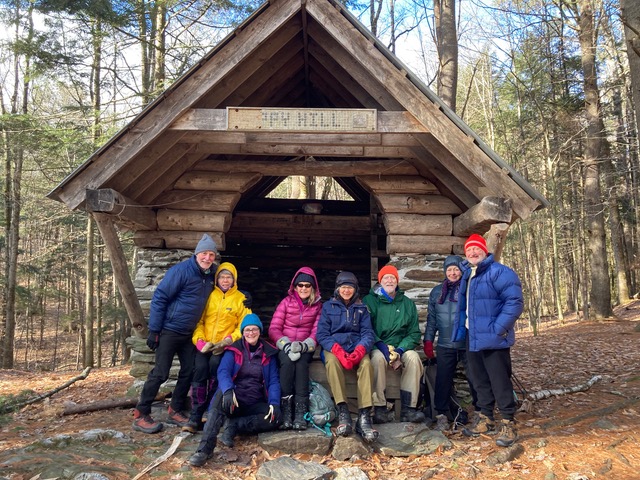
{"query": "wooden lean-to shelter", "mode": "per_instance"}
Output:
(300, 88)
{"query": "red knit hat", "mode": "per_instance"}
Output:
(388, 270)
(476, 240)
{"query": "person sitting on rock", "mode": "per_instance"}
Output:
(394, 317)
(248, 393)
(346, 336)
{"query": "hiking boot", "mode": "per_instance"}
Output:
(508, 434)
(192, 426)
(286, 404)
(198, 459)
(407, 413)
(229, 432)
(177, 418)
(442, 423)
(363, 426)
(144, 423)
(301, 408)
(345, 427)
(382, 415)
(482, 425)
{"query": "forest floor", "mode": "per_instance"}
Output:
(584, 435)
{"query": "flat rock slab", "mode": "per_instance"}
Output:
(310, 441)
(287, 468)
(405, 439)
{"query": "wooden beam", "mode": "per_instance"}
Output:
(123, 209)
(302, 150)
(175, 239)
(412, 224)
(224, 182)
(311, 167)
(389, 183)
(197, 199)
(480, 217)
(421, 204)
(294, 224)
(169, 219)
(121, 273)
(215, 120)
(496, 239)
(422, 244)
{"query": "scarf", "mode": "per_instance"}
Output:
(449, 289)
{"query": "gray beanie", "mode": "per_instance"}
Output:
(452, 260)
(206, 244)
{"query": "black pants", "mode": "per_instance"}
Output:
(491, 376)
(294, 376)
(206, 367)
(170, 344)
(448, 359)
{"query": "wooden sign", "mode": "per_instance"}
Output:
(355, 120)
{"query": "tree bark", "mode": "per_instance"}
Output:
(447, 45)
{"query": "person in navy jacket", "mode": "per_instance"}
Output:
(248, 394)
(176, 308)
(490, 302)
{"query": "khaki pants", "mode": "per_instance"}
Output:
(335, 377)
(409, 377)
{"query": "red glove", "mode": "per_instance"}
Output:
(342, 356)
(357, 355)
(428, 349)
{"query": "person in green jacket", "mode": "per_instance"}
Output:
(397, 333)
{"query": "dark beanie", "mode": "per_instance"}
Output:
(305, 277)
(346, 278)
(452, 260)
(206, 244)
(251, 319)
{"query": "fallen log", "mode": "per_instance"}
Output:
(106, 405)
(600, 412)
(527, 404)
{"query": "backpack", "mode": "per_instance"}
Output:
(322, 410)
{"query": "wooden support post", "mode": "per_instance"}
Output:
(496, 239)
(121, 272)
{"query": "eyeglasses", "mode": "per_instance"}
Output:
(303, 285)
(251, 330)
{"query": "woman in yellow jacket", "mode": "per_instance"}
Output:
(218, 327)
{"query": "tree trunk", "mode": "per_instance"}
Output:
(88, 304)
(600, 293)
(630, 12)
(447, 46)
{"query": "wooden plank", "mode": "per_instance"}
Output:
(247, 221)
(154, 122)
(390, 184)
(121, 273)
(170, 219)
(422, 204)
(198, 199)
(177, 239)
(332, 238)
(211, 181)
(310, 166)
(413, 224)
(302, 150)
(457, 147)
(422, 244)
(123, 209)
(480, 217)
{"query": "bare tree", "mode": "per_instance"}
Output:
(447, 45)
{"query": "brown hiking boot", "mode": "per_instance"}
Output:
(442, 423)
(177, 418)
(483, 425)
(144, 423)
(508, 434)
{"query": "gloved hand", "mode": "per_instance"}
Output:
(248, 299)
(342, 356)
(283, 342)
(274, 415)
(207, 347)
(294, 356)
(229, 402)
(395, 357)
(153, 340)
(218, 348)
(299, 347)
(311, 344)
(383, 349)
(357, 355)
(428, 349)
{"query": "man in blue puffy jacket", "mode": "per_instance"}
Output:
(176, 307)
(490, 302)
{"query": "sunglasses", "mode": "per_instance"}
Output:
(303, 285)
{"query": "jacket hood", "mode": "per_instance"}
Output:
(234, 272)
(308, 271)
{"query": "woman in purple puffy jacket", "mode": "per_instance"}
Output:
(293, 330)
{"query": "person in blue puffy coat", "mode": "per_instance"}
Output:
(490, 302)
(176, 308)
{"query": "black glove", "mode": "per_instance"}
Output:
(153, 340)
(229, 402)
(248, 299)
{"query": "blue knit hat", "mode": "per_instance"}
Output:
(452, 260)
(206, 244)
(251, 319)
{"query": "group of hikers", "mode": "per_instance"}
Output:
(257, 380)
